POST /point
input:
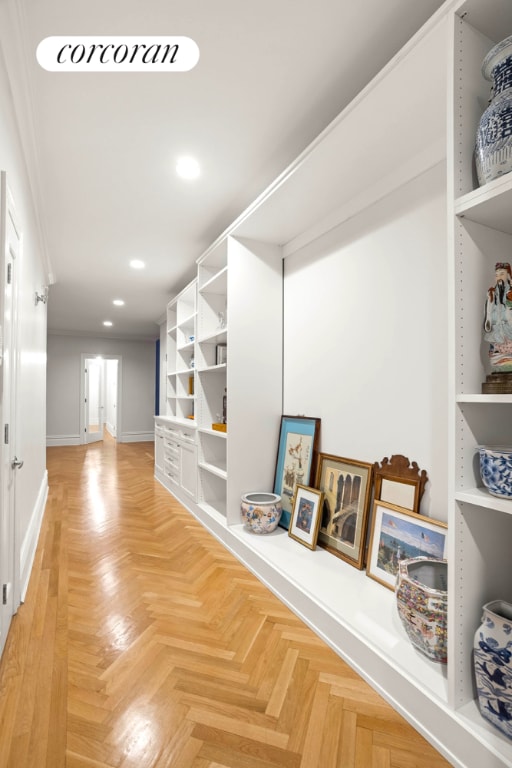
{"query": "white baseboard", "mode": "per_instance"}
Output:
(136, 437)
(29, 544)
(62, 440)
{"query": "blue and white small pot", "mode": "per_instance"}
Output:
(496, 470)
(261, 511)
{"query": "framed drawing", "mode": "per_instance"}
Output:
(346, 485)
(398, 534)
(305, 518)
(296, 457)
(399, 481)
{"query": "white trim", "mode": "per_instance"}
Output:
(136, 437)
(52, 440)
(29, 545)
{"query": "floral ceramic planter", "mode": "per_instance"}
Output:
(422, 598)
(261, 512)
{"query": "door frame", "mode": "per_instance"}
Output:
(10, 575)
(83, 409)
(90, 362)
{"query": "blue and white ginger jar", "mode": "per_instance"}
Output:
(492, 657)
(493, 151)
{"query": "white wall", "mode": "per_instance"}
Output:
(137, 373)
(365, 329)
(31, 485)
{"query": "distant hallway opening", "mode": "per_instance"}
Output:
(100, 400)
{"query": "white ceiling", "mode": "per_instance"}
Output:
(271, 75)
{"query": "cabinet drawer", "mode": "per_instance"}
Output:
(172, 470)
(171, 446)
(188, 435)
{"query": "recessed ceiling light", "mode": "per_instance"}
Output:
(107, 322)
(188, 168)
(137, 264)
(118, 302)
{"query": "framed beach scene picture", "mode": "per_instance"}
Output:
(398, 534)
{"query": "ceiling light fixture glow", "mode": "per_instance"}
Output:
(107, 323)
(137, 264)
(118, 302)
(188, 168)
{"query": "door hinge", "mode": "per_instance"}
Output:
(6, 434)
(4, 594)
(9, 273)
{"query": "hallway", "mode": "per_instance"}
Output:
(143, 643)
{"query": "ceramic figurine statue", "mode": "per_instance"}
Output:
(498, 320)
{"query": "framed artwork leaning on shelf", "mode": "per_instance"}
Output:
(346, 485)
(296, 459)
(305, 518)
(399, 481)
(398, 534)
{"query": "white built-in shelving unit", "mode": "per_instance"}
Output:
(176, 428)
(240, 309)
(420, 112)
(480, 220)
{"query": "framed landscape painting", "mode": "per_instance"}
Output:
(398, 534)
(296, 457)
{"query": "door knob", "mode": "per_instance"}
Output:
(16, 463)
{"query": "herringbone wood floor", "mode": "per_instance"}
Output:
(144, 644)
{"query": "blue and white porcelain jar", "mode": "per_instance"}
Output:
(493, 151)
(496, 470)
(492, 657)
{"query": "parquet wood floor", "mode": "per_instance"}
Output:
(143, 643)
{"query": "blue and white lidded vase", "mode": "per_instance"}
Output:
(493, 150)
(492, 657)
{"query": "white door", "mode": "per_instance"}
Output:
(10, 464)
(94, 397)
(111, 393)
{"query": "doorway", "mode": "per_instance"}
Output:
(10, 464)
(101, 388)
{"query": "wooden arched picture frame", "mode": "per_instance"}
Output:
(399, 481)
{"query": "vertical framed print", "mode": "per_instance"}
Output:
(296, 459)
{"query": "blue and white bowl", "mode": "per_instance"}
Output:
(496, 470)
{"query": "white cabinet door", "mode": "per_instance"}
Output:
(159, 451)
(188, 466)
